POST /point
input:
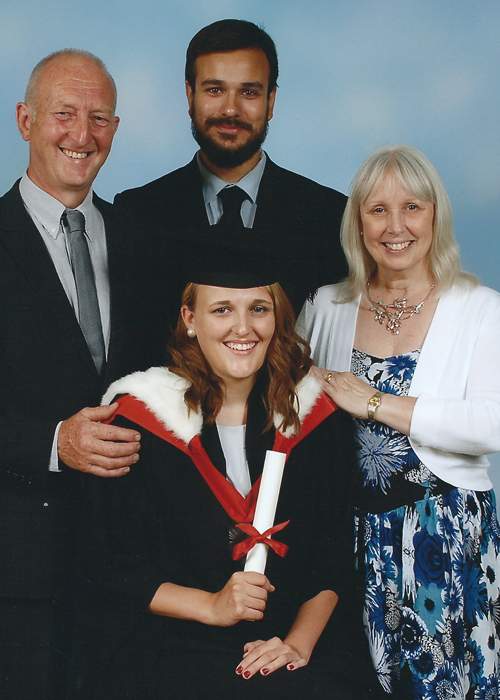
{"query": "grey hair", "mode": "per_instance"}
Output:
(32, 86)
(417, 174)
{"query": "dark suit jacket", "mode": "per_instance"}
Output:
(46, 375)
(288, 205)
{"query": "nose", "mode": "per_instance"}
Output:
(230, 106)
(241, 324)
(80, 129)
(396, 223)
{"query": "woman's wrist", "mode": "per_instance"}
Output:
(396, 412)
(373, 404)
(299, 644)
(184, 603)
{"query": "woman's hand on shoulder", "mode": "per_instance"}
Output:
(243, 597)
(352, 394)
(349, 392)
(264, 657)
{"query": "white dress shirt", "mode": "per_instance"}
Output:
(232, 440)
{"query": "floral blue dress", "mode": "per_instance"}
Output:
(429, 554)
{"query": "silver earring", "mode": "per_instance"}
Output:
(191, 333)
(361, 233)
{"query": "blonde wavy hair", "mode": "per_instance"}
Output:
(417, 174)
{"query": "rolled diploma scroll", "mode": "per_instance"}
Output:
(265, 509)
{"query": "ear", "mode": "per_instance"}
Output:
(116, 122)
(25, 119)
(190, 97)
(187, 316)
(270, 104)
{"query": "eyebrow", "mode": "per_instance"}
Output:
(247, 84)
(411, 198)
(69, 105)
(228, 302)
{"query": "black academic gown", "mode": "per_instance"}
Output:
(162, 523)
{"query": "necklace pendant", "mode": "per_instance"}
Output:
(379, 314)
(400, 303)
(394, 312)
(393, 325)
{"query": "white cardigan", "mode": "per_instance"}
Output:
(456, 419)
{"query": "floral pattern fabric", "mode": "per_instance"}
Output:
(431, 565)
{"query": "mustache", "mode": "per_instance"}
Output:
(228, 121)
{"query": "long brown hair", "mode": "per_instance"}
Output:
(287, 362)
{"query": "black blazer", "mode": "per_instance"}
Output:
(46, 375)
(288, 205)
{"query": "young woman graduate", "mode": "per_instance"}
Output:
(169, 539)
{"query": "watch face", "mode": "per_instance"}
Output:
(372, 405)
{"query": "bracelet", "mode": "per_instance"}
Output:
(373, 404)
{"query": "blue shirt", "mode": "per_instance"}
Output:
(249, 183)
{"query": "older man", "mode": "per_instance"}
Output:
(64, 316)
(231, 85)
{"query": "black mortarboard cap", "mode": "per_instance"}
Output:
(247, 258)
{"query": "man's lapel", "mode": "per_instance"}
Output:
(191, 205)
(21, 240)
(270, 209)
(115, 244)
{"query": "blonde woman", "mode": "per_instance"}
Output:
(411, 347)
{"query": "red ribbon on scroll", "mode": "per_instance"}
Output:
(254, 536)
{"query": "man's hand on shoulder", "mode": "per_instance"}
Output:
(87, 444)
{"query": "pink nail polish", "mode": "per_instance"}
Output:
(246, 674)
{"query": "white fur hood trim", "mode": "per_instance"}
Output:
(308, 392)
(163, 393)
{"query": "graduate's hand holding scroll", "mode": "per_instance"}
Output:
(244, 597)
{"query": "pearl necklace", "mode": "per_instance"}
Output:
(396, 311)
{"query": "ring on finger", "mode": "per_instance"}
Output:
(329, 376)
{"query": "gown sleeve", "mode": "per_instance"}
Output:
(330, 455)
(120, 535)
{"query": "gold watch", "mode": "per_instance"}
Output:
(373, 403)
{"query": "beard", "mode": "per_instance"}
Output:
(228, 157)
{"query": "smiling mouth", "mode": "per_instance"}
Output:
(241, 347)
(398, 246)
(75, 155)
(229, 124)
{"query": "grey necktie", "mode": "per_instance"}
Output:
(73, 222)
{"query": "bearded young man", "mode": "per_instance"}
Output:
(231, 84)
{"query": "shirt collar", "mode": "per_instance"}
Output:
(48, 210)
(249, 183)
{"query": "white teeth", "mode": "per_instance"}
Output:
(74, 154)
(397, 246)
(240, 346)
